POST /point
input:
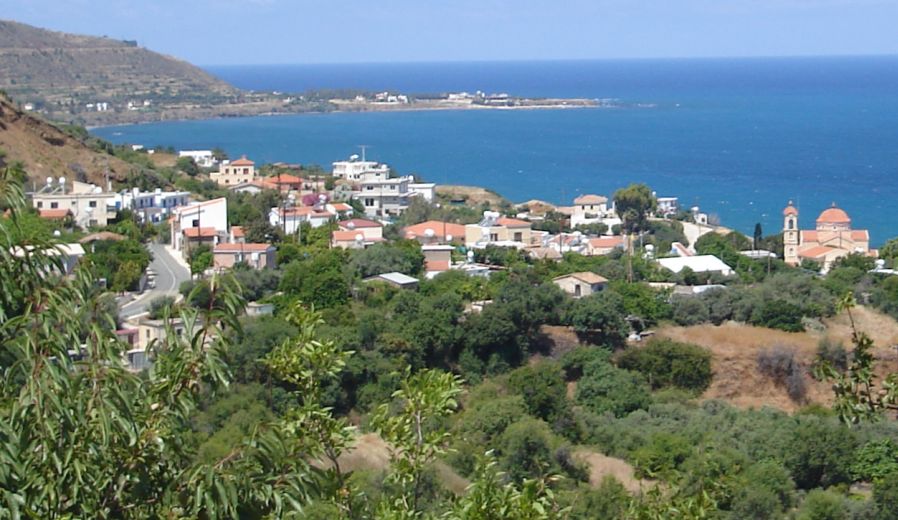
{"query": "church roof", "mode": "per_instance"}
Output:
(790, 210)
(834, 215)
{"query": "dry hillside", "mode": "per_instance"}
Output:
(46, 150)
(735, 349)
(63, 73)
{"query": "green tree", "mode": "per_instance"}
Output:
(126, 277)
(188, 166)
(201, 258)
(600, 318)
(635, 204)
(605, 388)
(666, 362)
(544, 390)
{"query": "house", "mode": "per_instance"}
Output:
(257, 256)
(237, 235)
(69, 255)
(437, 259)
(357, 233)
(398, 280)
(283, 182)
(202, 158)
(581, 284)
(353, 169)
(435, 232)
(601, 246)
(149, 330)
(290, 219)
(383, 196)
(667, 206)
(60, 215)
(589, 209)
(259, 309)
(253, 187)
(425, 190)
(88, 204)
(231, 173)
(495, 229)
(152, 206)
(698, 264)
(201, 222)
(832, 238)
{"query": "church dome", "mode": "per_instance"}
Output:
(790, 210)
(834, 215)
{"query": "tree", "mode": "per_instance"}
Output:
(600, 318)
(188, 166)
(526, 449)
(126, 277)
(605, 388)
(758, 236)
(219, 154)
(666, 362)
(634, 204)
(544, 391)
(201, 258)
(404, 257)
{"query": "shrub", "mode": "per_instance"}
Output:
(576, 360)
(885, 496)
(159, 306)
(668, 363)
(822, 505)
(833, 353)
(820, 453)
(689, 310)
(662, 455)
(779, 364)
(605, 388)
(778, 314)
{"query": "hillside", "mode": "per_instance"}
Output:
(46, 150)
(67, 75)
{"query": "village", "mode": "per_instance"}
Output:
(359, 199)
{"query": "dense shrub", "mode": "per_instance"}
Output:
(606, 388)
(833, 353)
(779, 364)
(576, 360)
(666, 362)
(820, 453)
(689, 310)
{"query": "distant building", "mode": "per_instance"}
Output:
(437, 259)
(601, 246)
(202, 158)
(495, 229)
(581, 284)
(832, 239)
(199, 223)
(257, 256)
(353, 169)
(589, 209)
(152, 206)
(435, 232)
(232, 173)
(88, 204)
(698, 264)
(398, 280)
(357, 234)
(425, 190)
(668, 206)
(383, 196)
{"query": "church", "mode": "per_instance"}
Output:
(832, 239)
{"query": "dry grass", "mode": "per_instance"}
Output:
(370, 452)
(601, 466)
(735, 348)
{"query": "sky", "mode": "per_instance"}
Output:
(235, 32)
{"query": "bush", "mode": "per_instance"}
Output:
(543, 389)
(576, 360)
(820, 453)
(665, 363)
(778, 314)
(833, 353)
(822, 505)
(689, 310)
(159, 306)
(662, 455)
(885, 496)
(606, 388)
(779, 364)
(525, 449)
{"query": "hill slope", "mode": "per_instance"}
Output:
(46, 150)
(64, 73)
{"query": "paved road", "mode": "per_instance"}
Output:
(170, 273)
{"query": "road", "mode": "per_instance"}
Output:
(170, 273)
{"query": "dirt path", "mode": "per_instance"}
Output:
(601, 466)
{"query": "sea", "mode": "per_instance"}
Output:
(738, 138)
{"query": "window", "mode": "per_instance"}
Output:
(54, 205)
(577, 291)
(518, 237)
(494, 237)
(92, 204)
(369, 202)
(791, 224)
(195, 223)
(40, 204)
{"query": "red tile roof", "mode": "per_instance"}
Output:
(590, 199)
(238, 231)
(834, 215)
(350, 236)
(816, 252)
(239, 248)
(437, 228)
(341, 206)
(55, 213)
(202, 232)
(512, 222)
(243, 161)
(357, 223)
(603, 242)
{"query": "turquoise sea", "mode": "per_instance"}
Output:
(737, 137)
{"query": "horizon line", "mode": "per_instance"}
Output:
(557, 60)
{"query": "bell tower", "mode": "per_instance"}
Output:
(791, 234)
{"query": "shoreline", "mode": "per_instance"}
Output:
(368, 109)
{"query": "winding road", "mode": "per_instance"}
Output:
(170, 273)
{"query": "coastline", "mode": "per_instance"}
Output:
(573, 103)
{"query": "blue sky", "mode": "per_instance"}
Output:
(217, 32)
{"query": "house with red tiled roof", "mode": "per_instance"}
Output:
(495, 229)
(435, 232)
(55, 214)
(257, 256)
(233, 173)
(581, 284)
(832, 238)
(201, 222)
(357, 233)
(601, 246)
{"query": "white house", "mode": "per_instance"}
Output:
(382, 195)
(668, 206)
(426, 190)
(290, 219)
(589, 209)
(698, 264)
(152, 206)
(202, 158)
(353, 169)
(203, 222)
